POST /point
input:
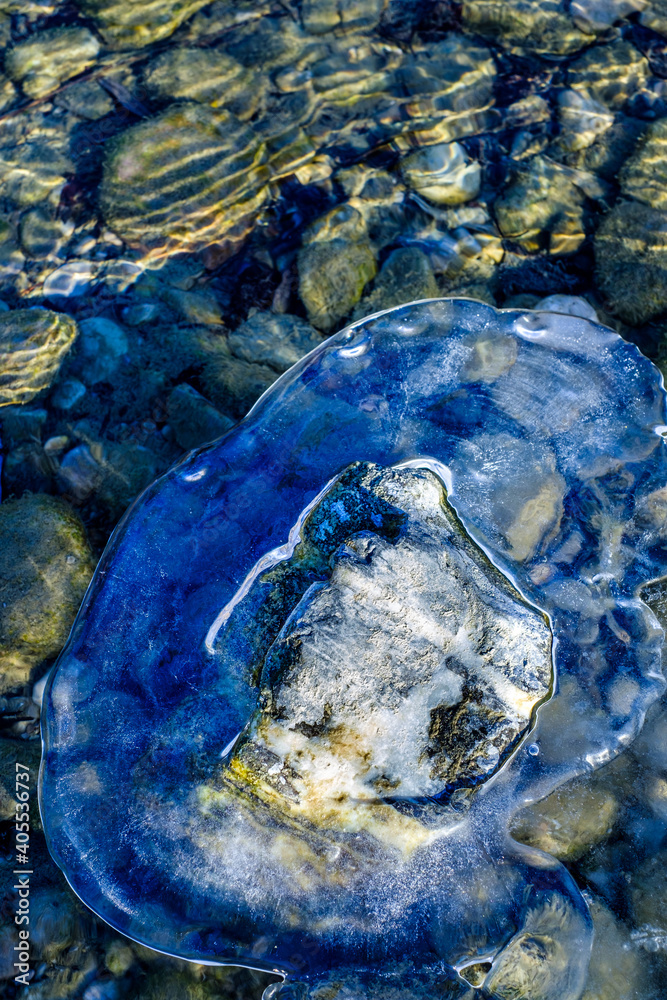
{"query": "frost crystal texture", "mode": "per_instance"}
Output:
(325, 661)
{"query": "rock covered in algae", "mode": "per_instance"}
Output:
(46, 564)
(405, 274)
(541, 204)
(539, 26)
(537, 962)
(208, 76)
(644, 175)
(321, 16)
(610, 74)
(151, 196)
(631, 261)
(134, 23)
(630, 243)
(414, 667)
(332, 278)
(33, 343)
(41, 63)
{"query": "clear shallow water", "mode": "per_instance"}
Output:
(547, 432)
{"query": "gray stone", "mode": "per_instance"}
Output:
(232, 383)
(101, 346)
(70, 281)
(598, 16)
(571, 305)
(406, 276)
(68, 393)
(443, 174)
(194, 420)
(274, 339)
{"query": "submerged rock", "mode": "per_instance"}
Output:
(609, 73)
(571, 305)
(99, 351)
(42, 233)
(631, 261)
(582, 120)
(540, 26)
(405, 276)
(209, 76)
(33, 344)
(195, 421)
(42, 62)
(542, 207)
(599, 15)
(443, 174)
(151, 196)
(240, 367)
(618, 971)
(35, 159)
(644, 175)
(537, 962)
(654, 16)
(45, 566)
(570, 820)
(234, 384)
(112, 473)
(332, 278)
(129, 24)
(274, 339)
(321, 16)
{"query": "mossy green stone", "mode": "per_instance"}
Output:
(45, 566)
(631, 262)
(33, 343)
(332, 278)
